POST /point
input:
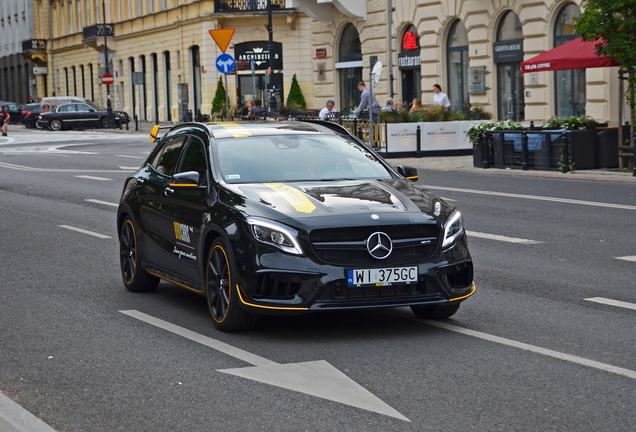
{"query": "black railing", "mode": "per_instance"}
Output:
(98, 30)
(543, 150)
(246, 5)
(33, 45)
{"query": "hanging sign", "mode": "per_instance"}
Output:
(259, 52)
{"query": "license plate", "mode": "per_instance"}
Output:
(380, 277)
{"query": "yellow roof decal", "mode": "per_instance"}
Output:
(293, 196)
(236, 129)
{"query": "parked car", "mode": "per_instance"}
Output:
(14, 110)
(30, 115)
(76, 115)
(51, 103)
(288, 218)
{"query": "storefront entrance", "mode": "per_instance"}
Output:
(410, 66)
(510, 86)
(246, 90)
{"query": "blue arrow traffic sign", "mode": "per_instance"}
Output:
(225, 63)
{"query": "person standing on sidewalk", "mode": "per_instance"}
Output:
(366, 102)
(4, 121)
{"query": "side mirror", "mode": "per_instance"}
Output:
(409, 172)
(186, 179)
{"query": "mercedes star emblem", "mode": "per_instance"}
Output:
(379, 245)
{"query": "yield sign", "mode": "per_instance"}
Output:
(222, 37)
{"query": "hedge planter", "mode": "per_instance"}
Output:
(582, 149)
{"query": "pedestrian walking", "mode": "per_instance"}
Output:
(440, 98)
(4, 121)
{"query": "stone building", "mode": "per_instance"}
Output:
(16, 73)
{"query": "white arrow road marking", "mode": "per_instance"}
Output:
(102, 202)
(93, 178)
(316, 378)
(501, 238)
(535, 349)
(611, 302)
(83, 231)
(535, 197)
(627, 258)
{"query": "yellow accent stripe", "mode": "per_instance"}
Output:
(238, 289)
(183, 184)
(170, 280)
(293, 196)
(236, 129)
(468, 295)
(413, 177)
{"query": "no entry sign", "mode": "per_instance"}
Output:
(108, 79)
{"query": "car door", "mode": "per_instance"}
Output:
(87, 115)
(158, 232)
(68, 115)
(184, 203)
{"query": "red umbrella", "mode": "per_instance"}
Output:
(575, 54)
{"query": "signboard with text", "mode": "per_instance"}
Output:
(259, 52)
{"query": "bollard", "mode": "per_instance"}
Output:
(565, 166)
(136, 122)
(484, 151)
(418, 140)
(524, 151)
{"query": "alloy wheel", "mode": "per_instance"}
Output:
(218, 283)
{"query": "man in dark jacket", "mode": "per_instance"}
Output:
(257, 109)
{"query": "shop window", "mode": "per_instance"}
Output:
(457, 66)
(508, 55)
(349, 68)
(569, 89)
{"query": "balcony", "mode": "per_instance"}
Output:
(246, 5)
(35, 50)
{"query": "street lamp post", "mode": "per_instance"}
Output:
(109, 106)
(272, 96)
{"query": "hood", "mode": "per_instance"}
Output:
(397, 199)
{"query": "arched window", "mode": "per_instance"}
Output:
(349, 67)
(410, 65)
(569, 89)
(457, 64)
(508, 57)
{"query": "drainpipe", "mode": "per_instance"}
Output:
(51, 50)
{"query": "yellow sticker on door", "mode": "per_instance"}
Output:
(182, 232)
(293, 196)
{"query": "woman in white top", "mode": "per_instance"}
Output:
(440, 98)
(328, 109)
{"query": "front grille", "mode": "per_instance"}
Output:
(277, 286)
(459, 275)
(347, 246)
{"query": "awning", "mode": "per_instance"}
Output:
(575, 54)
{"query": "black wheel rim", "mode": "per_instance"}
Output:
(128, 252)
(218, 276)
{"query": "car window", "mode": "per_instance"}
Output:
(13, 107)
(166, 161)
(193, 159)
(66, 108)
(294, 158)
(83, 108)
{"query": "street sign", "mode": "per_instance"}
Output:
(40, 70)
(222, 37)
(225, 63)
(110, 57)
(108, 79)
(375, 74)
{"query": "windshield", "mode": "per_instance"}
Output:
(296, 158)
(94, 105)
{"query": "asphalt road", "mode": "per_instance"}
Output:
(526, 353)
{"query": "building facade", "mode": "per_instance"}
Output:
(17, 80)
(472, 48)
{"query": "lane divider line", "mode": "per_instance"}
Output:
(535, 197)
(611, 302)
(535, 349)
(502, 238)
(627, 258)
(129, 168)
(131, 157)
(93, 178)
(83, 231)
(102, 202)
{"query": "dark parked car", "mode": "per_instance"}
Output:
(76, 115)
(288, 217)
(30, 115)
(14, 110)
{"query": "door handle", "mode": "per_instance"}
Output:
(140, 182)
(168, 191)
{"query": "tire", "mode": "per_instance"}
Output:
(135, 278)
(55, 125)
(37, 126)
(104, 122)
(435, 311)
(221, 291)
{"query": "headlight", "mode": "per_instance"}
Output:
(273, 234)
(453, 228)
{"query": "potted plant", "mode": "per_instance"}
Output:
(475, 131)
(582, 141)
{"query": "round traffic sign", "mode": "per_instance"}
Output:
(108, 79)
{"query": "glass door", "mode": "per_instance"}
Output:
(511, 88)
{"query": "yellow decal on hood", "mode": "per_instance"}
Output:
(293, 196)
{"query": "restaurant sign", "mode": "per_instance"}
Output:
(259, 51)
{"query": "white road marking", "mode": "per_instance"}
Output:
(129, 168)
(627, 258)
(83, 231)
(535, 197)
(501, 238)
(611, 302)
(131, 157)
(93, 178)
(316, 378)
(535, 349)
(103, 202)
(61, 170)
(15, 418)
